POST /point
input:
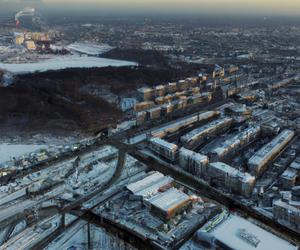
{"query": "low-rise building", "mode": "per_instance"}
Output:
(166, 204)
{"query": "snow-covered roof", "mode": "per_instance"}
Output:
(169, 200)
(198, 132)
(272, 147)
(164, 144)
(149, 185)
(230, 233)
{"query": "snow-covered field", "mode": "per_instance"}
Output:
(9, 49)
(8, 151)
(89, 48)
(64, 62)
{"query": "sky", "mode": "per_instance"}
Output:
(264, 7)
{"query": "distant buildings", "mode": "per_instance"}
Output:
(30, 45)
(33, 40)
(19, 39)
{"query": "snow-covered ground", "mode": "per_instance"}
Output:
(8, 151)
(75, 237)
(9, 49)
(64, 62)
(89, 48)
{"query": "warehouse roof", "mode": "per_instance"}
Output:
(149, 185)
(169, 200)
(239, 233)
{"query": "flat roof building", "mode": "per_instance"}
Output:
(149, 185)
(235, 232)
(168, 203)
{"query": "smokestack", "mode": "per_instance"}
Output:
(24, 12)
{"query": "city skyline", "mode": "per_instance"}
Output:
(236, 7)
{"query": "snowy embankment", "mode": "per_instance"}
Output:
(8, 151)
(89, 48)
(64, 62)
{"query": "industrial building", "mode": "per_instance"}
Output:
(259, 161)
(168, 203)
(163, 218)
(235, 232)
(150, 185)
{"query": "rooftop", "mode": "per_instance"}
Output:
(150, 184)
(169, 200)
(229, 232)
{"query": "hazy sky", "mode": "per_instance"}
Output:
(278, 7)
